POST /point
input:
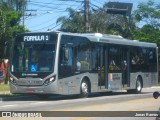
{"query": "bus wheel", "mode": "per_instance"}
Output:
(84, 89)
(138, 87)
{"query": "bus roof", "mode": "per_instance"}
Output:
(103, 38)
(113, 39)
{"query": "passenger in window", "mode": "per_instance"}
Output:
(150, 55)
(124, 64)
(78, 65)
(135, 59)
(112, 63)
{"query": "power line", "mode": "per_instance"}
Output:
(100, 2)
(55, 23)
(59, 6)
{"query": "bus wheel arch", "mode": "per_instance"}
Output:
(85, 87)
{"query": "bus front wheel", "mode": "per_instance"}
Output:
(84, 89)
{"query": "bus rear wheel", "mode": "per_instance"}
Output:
(84, 89)
(138, 87)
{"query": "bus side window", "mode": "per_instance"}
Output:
(115, 61)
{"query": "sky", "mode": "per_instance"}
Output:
(42, 15)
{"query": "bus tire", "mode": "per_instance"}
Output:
(138, 87)
(84, 89)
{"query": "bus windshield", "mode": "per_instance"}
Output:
(33, 57)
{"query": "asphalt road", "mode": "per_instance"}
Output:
(97, 106)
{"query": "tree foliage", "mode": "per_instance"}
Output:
(10, 14)
(149, 13)
(74, 23)
(100, 21)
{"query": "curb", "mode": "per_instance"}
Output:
(156, 87)
(17, 98)
(5, 93)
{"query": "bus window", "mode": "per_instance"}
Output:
(143, 59)
(114, 59)
(83, 57)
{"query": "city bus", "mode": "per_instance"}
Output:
(59, 63)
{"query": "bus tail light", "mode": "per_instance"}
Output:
(50, 80)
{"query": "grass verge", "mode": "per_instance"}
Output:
(4, 87)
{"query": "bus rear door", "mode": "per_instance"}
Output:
(125, 68)
(103, 63)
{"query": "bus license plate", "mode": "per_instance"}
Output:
(30, 91)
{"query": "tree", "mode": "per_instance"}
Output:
(74, 23)
(9, 26)
(17, 5)
(148, 13)
(112, 23)
(100, 21)
(10, 14)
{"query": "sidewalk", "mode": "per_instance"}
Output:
(4, 92)
(156, 87)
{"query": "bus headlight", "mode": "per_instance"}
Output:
(12, 80)
(50, 80)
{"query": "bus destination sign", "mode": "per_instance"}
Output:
(36, 38)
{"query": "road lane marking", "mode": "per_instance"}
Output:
(39, 103)
(23, 104)
(85, 118)
(9, 105)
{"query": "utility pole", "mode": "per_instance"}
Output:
(86, 9)
(26, 14)
(23, 14)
